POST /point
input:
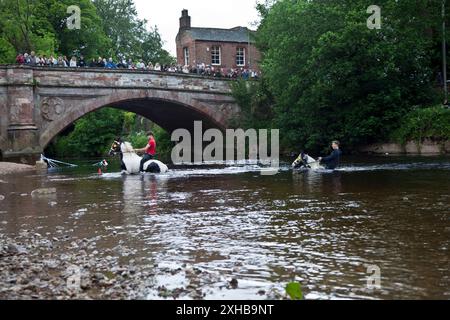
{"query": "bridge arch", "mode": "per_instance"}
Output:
(169, 112)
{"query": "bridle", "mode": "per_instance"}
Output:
(117, 144)
(114, 146)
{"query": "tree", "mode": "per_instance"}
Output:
(121, 25)
(128, 34)
(90, 40)
(334, 78)
(40, 25)
(93, 134)
(24, 26)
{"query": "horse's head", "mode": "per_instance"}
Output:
(115, 147)
(302, 160)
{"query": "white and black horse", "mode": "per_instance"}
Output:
(130, 161)
(304, 161)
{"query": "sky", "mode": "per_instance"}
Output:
(165, 14)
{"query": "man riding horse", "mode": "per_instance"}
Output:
(149, 150)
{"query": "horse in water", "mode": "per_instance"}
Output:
(306, 162)
(130, 161)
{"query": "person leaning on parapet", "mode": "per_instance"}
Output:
(82, 62)
(110, 64)
(31, 60)
(73, 62)
(100, 63)
(332, 161)
(20, 59)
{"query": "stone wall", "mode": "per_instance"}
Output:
(427, 147)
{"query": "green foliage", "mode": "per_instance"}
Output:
(432, 123)
(90, 40)
(92, 136)
(294, 291)
(32, 25)
(108, 28)
(138, 140)
(7, 52)
(256, 103)
(165, 145)
(129, 35)
(333, 78)
(94, 133)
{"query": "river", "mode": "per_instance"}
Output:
(199, 227)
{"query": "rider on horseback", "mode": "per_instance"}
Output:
(149, 150)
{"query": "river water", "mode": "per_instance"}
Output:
(328, 231)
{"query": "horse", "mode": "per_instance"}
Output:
(307, 162)
(130, 161)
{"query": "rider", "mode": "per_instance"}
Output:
(332, 161)
(149, 150)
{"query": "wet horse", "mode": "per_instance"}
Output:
(130, 161)
(306, 162)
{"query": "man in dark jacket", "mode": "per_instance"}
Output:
(332, 161)
(82, 62)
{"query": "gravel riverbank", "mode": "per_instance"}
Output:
(9, 168)
(36, 267)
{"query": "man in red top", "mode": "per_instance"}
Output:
(150, 150)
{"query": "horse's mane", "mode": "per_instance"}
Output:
(127, 147)
(310, 159)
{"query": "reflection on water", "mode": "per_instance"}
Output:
(320, 228)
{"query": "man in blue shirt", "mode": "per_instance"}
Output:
(332, 161)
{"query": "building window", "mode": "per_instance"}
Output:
(240, 57)
(186, 56)
(215, 56)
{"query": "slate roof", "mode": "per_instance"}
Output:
(238, 34)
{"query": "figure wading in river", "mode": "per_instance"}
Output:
(331, 162)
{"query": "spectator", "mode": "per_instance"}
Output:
(123, 64)
(100, 63)
(20, 59)
(245, 75)
(46, 61)
(81, 62)
(93, 63)
(66, 61)
(73, 62)
(61, 62)
(32, 59)
(131, 64)
(150, 67)
(110, 64)
(140, 65)
(157, 67)
(52, 61)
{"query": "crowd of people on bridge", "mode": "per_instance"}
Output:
(200, 69)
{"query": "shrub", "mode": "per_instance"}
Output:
(432, 123)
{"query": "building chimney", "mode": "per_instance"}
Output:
(185, 20)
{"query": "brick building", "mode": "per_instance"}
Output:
(224, 48)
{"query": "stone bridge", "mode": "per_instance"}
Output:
(36, 104)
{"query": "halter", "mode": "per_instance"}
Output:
(119, 144)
